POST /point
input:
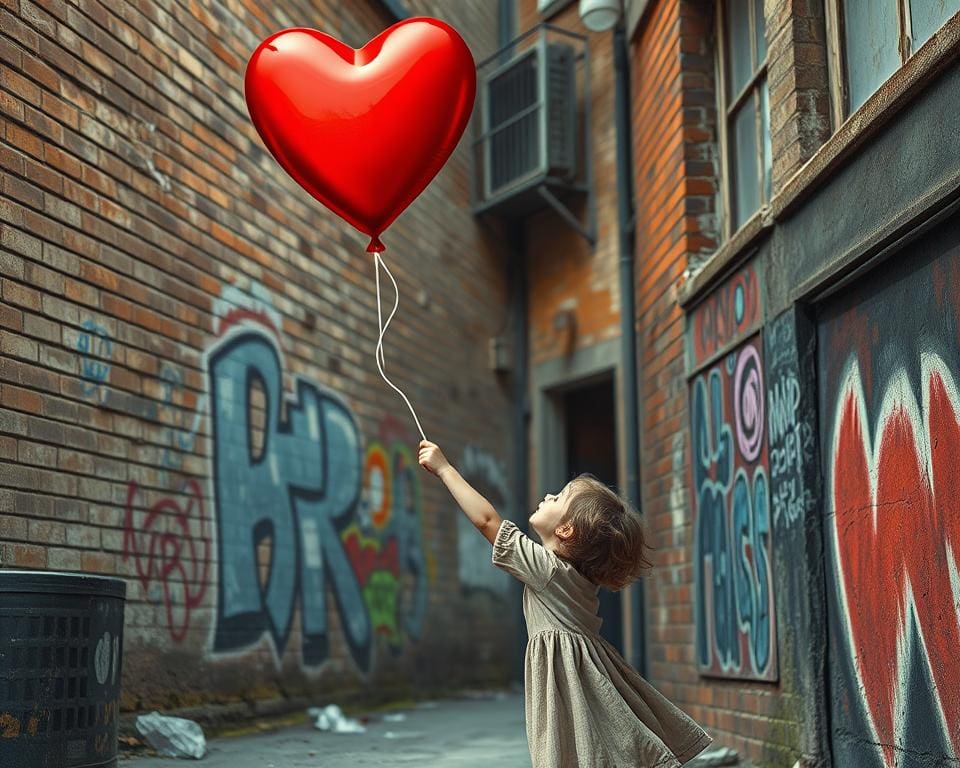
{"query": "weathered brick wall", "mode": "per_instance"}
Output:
(677, 180)
(665, 124)
(160, 273)
(798, 81)
(565, 273)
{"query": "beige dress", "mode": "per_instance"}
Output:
(586, 707)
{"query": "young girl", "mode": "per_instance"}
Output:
(586, 707)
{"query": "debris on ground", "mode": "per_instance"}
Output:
(172, 736)
(331, 718)
(715, 758)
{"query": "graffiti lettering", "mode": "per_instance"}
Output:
(734, 600)
(296, 493)
(791, 425)
(791, 443)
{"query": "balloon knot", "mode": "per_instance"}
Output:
(376, 246)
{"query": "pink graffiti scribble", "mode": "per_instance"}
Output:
(176, 558)
(748, 403)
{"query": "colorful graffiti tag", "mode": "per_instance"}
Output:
(385, 544)
(727, 314)
(735, 621)
(302, 511)
(306, 509)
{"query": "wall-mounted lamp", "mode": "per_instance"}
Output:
(599, 15)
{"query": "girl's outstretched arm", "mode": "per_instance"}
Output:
(480, 511)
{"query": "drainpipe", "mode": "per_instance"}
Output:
(521, 415)
(627, 231)
(521, 406)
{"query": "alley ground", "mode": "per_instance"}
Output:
(485, 729)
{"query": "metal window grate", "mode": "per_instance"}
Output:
(530, 147)
(514, 122)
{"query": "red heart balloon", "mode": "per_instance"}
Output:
(363, 131)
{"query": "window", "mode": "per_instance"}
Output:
(744, 102)
(879, 36)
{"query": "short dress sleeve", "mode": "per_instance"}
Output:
(520, 556)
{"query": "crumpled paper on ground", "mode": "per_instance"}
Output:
(715, 757)
(172, 736)
(331, 718)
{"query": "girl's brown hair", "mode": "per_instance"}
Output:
(608, 536)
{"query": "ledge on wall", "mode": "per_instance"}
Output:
(726, 259)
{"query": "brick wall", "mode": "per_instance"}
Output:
(677, 176)
(565, 273)
(798, 81)
(661, 121)
(567, 277)
(150, 242)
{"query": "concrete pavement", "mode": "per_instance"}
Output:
(481, 729)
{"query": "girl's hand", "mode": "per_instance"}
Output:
(431, 458)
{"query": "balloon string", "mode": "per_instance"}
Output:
(381, 362)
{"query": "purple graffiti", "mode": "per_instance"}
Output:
(748, 403)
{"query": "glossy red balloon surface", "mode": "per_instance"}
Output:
(363, 131)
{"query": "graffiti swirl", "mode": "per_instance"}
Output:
(748, 403)
(171, 549)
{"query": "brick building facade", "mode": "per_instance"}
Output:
(759, 624)
(778, 399)
(161, 274)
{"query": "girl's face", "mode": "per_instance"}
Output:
(546, 518)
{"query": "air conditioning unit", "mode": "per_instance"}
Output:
(529, 121)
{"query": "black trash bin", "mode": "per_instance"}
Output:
(61, 643)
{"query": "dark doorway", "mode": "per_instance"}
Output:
(591, 437)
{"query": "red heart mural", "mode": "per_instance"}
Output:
(896, 538)
(363, 131)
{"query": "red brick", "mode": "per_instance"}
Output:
(23, 555)
(15, 28)
(98, 562)
(21, 295)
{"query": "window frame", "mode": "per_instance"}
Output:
(837, 60)
(724, 113)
